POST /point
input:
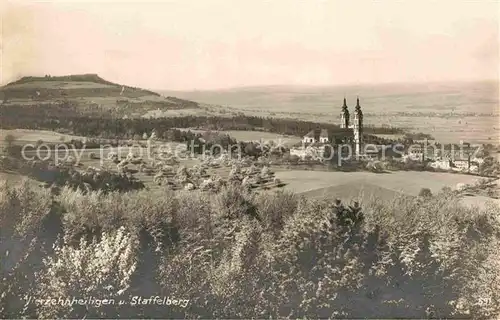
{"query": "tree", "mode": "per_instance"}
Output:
(425, 193)
(375, 166)
(483, 152)
(9, 140)
(294, 159)
(446, 189)
(251, 150)
(356, 214)
(10, 148)
(347, 215)
(489, 167)
(5, 99)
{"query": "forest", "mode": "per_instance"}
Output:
(66, 118)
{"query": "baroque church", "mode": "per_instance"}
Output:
(347, 133)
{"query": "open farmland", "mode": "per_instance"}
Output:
(262, 136)
(32, 136)
(449, 111)
(408, 182)
(175, 113)
(151, 164)
(243, 135)
(57, 85)
(366, 185)
(355, 191)
(99, 157)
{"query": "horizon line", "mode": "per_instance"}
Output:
(276, 85)
(338, 85)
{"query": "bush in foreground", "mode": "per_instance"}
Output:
(404, 259)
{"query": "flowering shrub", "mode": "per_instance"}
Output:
(98, 268)
(24, 210)
(237, 254)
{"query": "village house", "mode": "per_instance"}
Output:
(419, 152)
(441, 164)
(316, 136)
(461, 165)
(311, 152)
(453, 157)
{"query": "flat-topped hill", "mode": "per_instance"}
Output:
(73, 84)
(88, 93)
(89, 77)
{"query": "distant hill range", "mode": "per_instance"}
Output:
(88, 94)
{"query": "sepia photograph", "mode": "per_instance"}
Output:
(249, 159)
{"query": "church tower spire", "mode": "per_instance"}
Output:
(344, 122)
(358, 127)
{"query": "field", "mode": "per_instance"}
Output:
(32, 136)
(450, 112)
(98, 158)
(365, 185)
(175, 113)
(407, 182)
(259, 136)
(23, 136)
(60, 85)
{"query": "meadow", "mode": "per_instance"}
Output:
(56, 85)
(32, 136)
(408, 182)
(255, 136)
(364, 186)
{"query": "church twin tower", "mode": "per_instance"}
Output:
(357, 126)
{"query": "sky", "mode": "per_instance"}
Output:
(210, 44)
